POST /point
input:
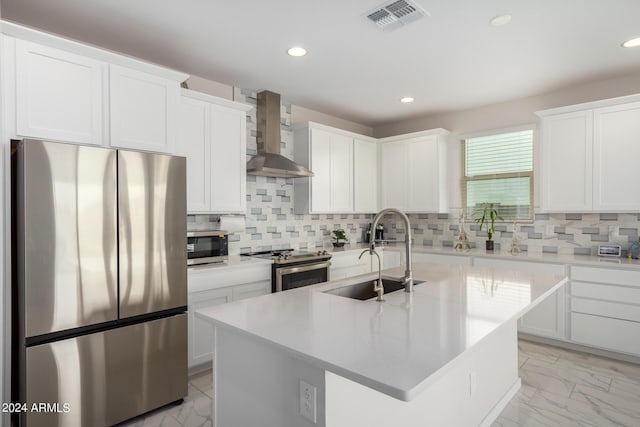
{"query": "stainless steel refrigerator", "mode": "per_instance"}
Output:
(99, 283)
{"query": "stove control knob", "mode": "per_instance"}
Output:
(324, 252)
(286, 256)
(280, 257)
(319, 253)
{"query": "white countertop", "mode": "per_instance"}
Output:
(398, 347)
(551, 258)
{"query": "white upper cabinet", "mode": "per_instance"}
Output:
(143, 110)
(587, 153)
(62, 90)
(59, 94)
(212, 136)
(329, 155)
(365, 176)
(413, 172)
(616, 144)
(566, 150)
(194, 137)
(394, 175)
(228, 159)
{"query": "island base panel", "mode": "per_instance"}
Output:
(471, 391)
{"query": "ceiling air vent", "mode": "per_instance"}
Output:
(393, 15)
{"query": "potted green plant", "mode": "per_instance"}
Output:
(486, 215)
(340, 237)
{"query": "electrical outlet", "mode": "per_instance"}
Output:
(308, 401)
(473, 383)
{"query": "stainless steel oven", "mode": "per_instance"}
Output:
(294, 269)
(207, 246)
(300, 274)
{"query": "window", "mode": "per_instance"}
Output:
(498, 169)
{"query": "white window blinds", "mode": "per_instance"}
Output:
(499, 169)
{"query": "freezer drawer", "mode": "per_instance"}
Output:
(105, 378)
(152, 231)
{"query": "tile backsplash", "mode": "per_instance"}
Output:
(272, 224)
(578, 234)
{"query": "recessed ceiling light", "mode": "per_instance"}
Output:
(406, 99)
(498, 21)
(297, 51)
(632, 43)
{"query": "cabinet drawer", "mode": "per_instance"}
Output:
(606, 308)
(613, 276)
(442, 259)
(525, 266)
(606, 292)
(606, 333)
(251, 290)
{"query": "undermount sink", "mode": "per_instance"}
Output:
(364, 290)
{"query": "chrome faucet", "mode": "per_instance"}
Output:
(408, 276)
(377, 285)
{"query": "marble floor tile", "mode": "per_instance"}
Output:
(602, 365)
(608, 401)
(587, 412)
(204, 382)
(560, 379)
(536, 351)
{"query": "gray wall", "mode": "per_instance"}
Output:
(516, 112)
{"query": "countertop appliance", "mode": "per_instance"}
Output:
(204, 247)
(99, 282)
(293, 269)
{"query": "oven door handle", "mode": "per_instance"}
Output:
(299, 269)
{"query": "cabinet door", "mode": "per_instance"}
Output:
(391, 259)
(194, 144)
(201, 332)
(616, 150)
(143, 110)
(423, 183)
(251, 290)
(341, 173)
(321, 167)
(332, 166)
(546, 319)
(365, 176)
(566, 168)
(58, 95)
(228, 160)
(394, 175)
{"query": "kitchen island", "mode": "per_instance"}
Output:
(445, 355)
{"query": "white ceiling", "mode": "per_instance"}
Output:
(449, 61)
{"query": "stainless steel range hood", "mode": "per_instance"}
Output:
(269, 161)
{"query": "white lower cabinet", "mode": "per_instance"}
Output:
(547, 319)
(391, 259)
(605, 309)
(200, 332)
(440, 258)
(214, 286)
(347, 264)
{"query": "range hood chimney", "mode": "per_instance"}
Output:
(269, 161)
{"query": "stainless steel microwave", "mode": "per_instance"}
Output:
(207, 246)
